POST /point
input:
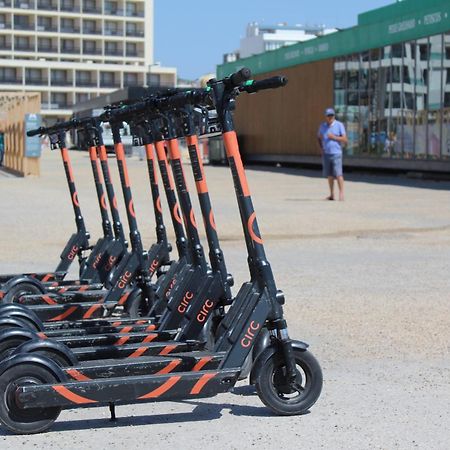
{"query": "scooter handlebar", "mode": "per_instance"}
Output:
(37, 131)
(268, 83)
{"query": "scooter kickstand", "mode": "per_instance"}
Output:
(112, 410)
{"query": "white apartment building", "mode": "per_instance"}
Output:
(74, 50)
(261, 38)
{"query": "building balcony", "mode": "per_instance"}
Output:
(50, 29)
(24, 26)
(36, 81)
(91, 31)
(61, 83)
(93, 51)
(59, 105)
(72, 51)
(114, 12)
(135, 33)
(114, 52)
(113, 32)
(47, 49)
(10, 81)
(109, 84)
(70, 30)
(81, 83)
(92, 10)
(5, 26)
(130, 83)
(5, 47)
(24, 48)
(131, 13)
(23, 4)
(5, 4)
(46, 4)
(69, 7)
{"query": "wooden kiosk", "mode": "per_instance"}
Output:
(13, 108)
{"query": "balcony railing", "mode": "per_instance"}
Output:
(46, 4)
(24, 26)
(72, 50)
(136, 33)
(109, 84)
(82, 83)
(91, 31)
(5, 4)
(24, 4)
(113, 52)
(47, 49)
(92, 51)
(113, 12)
(130, 83)
(113, 32)
(58, 105)
(70, 30)
(91, 10)
(133, 13)
(131, 53)
(10, 81)
(36, 81)
(23, 48)
(5, 47)
(61, 83)
(69, 6)
(47, 29)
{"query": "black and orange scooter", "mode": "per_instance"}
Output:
(288, 379)
(196, 295)
(35, 283)
(106, 254)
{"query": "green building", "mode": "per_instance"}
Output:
(388, 79)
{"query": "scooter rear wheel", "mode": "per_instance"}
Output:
(12, 416)
(286, 398)
(13, 295)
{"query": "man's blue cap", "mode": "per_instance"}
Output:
(330, 112)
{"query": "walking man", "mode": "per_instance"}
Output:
(332, 138)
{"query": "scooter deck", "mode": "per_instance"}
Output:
(145, 365)
(123, 390)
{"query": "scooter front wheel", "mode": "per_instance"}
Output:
(289, 398)
(12, 415)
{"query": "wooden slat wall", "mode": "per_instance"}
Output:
(13, 107)
(285, 120)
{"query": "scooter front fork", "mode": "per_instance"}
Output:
(280, 332)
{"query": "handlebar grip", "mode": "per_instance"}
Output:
(268, 83)
(240, 76)
(36, 131)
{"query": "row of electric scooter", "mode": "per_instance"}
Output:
(142, 324)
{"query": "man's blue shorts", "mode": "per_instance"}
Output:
(332, 165)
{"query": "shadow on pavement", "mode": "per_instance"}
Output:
(399, 179)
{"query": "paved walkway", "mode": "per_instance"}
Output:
(367, 285)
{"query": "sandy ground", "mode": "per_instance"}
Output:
(367, 286)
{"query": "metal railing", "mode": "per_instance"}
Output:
(73, 51)
(81, 83)
(93, 51)
(136, 33)
(36, 81)
(47, 49)
(61, 82)
(10, 81)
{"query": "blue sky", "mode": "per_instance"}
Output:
(194, 35)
